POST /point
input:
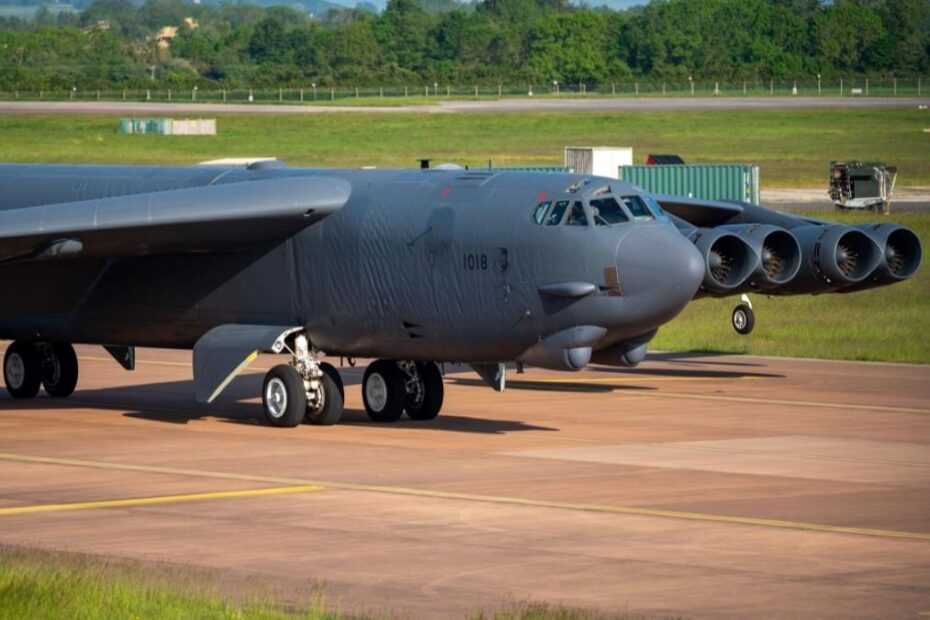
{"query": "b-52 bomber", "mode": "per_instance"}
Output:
(409, 267)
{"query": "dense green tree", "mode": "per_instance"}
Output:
(417, 42)
(569, 47)
(845, 32)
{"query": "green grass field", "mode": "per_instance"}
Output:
(45, 585)
(794, 148)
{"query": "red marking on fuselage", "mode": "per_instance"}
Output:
(446, 191)
(541, 196)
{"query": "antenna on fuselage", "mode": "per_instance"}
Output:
(424, 163)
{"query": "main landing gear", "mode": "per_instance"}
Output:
(304, 390)
(29, 365)
(309, 390)
(390, 388)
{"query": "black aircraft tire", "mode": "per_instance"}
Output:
(60, 373)
(330, 370)
(433, 392)
(284, 397)
(383, 391)
(743, 319)
(333, 405)
(22, 371)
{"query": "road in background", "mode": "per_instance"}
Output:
(594, 104)
(692, 486)
(905, 200)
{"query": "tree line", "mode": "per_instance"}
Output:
(111, 43)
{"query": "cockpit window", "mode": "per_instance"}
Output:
(539, 213)
(577, 217)
(607, 212)
(555, 215)
(637, 207)
(656, 209)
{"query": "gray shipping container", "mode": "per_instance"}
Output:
(703, 181)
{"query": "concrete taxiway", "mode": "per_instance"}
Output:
(692, 486)
(547, 104)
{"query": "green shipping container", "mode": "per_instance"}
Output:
(703, 181)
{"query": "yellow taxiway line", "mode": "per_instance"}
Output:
(488, 499)
(164, 499)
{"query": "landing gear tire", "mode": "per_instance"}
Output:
(330, 411)
(284, 397)
(743, 319)
(384, 391)
(330, 370)
(426, 403)
(22, 370)
(59, 369)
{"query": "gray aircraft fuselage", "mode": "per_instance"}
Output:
(418, 264)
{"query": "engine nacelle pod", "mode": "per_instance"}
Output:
(778, 251)
(569, 349)
(833, 257)
(901, 254)
(627, 354)
(728, 260)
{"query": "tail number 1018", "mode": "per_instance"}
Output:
(475, 262)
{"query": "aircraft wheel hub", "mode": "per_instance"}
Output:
(376, 391)
(15, 371)
(276, 397)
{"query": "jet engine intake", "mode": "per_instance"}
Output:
(729, 260)
(778, 251)
(833, 257)
(902, 252)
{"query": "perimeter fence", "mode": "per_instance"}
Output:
(845, 87)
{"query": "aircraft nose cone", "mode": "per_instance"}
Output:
(660, 268)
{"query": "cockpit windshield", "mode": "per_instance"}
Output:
(607, 212)
(637, 207)
(656, 209)
(539, 213)
(555, 215)
(577, 217)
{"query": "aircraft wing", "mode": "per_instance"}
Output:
(201, 219)
(698, 212)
